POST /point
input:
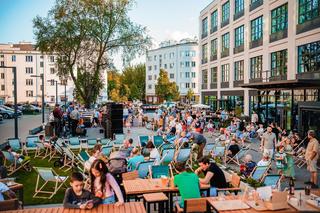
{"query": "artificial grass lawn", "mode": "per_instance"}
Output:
(29, 179)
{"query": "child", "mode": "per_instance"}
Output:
(96, 154)
(103, 184)
(17, 156)
(265, 161)
(248, 167)
(210, 127)
(77, 197)
(280, 157)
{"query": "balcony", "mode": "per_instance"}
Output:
(255, 5)
(308, 25)
(224, 84)
(213, 29)
(256, 79)
(203, 35)
(308, 75)
(204, 86)
(213, 85)
(256, 43)
(213, 57)
(224, 23)
(204, 61)
(237, 83)
(238, 49)
(278, 35)
(225, 53)
(277, 75)
(238, 15)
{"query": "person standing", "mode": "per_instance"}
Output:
(57, 113)
(311, 156)
(268, 141)
(75, 117)
(254, 117)
(289, 167)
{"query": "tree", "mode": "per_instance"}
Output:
(165, 89)
(84, 34)
(190, 94)
(135, 78)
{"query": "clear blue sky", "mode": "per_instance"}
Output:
(164, 19)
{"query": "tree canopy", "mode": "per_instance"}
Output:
(165, 89)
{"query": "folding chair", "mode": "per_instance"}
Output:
(48, 175)
(208, 149)
(118, 139)
(193, 205)
(83, 155)
(143, 140)
(15, 144)
(237, 157)
(159, 171)
(40, 151)
(30, 144)
(272, 180)
(105, 141)
(13, 164)
(74, 143)
(259, 172)
(157, 140)
(167, 156)
(69, 158)
(91, 143)
(106, 150)
(235, 185)
(183, 155)
(143, 168)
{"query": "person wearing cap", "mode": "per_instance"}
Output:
(311, 156)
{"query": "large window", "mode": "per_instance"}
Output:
(239, 36)
(257, 28)
(279, 63)
(279, 18)
(309, 57)
(238, 6)
(204, 27)
(214, 20)
(225, 42)
(238, 70)
(225, 11)
(256, 67)
(29, 58)
(205, 53)
(204, 79)
(308, 10)
(214, 47)
(225, 73)
(214, 75)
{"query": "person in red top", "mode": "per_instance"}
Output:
(57, 113)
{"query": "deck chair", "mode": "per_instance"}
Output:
(48, 175)
(208, 149)
(143, 140)
(234, 185)
(69, 159)
(118, 139)
(15, 144)
(30, 144)
(193, 205)
(183, 155)
(259, 172)
(13, 164)
(74, 143)
(91, 143)
(272, 180)
(159, 171)
(167, 156)
(105, 141)
(157, 140)
(41, 151)
(143, 168)
(237, 157)
(83, 155)
(106, 150)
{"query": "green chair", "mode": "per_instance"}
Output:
(143, 139)
(157, 140)
(91, 143)
(106, 150)
(159, 171)
(15, 144)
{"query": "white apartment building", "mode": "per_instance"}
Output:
(28, 62)
(180, 60)
(262, 55)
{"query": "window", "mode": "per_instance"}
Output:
(239, 36)
(226, 11)
(52, 81)
(41, 63)
(149, 58)
(41, 56)
(1, 56)
(308, 57)
(29, 82)
(214, 46)
(149, 77)
(238, 70)
(2, 64)
(13, 58)
(165, 66)
(187, 63)
(155, 58)
(29, 93)
(149, 86)
(192, 53)
(214, 20)
(171, 75)
(2, 75)
(214, 75)
(256, 28)
(225, 42)
(279, 18)
(204, 27)
(279, 63)
(2, 87)
(225, 73)
(149, 68)
(155, 77)
(193, 74)
(193, 63)
(52, 71)
(308, 10)
(205, 53)
(256, 67)
(238, 6)
(155, 67)
(187, 85)
(193, 85)
(29, 70)
(181, 64)
(187, 74)
(171, 65)
(29, 58)
(51, 59)
(171, 55)
(204, 76)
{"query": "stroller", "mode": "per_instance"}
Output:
(117, 165)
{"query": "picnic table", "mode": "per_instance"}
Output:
(132, 207)
(144, 186)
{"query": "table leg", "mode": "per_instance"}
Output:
(170, 202)
(21, 197)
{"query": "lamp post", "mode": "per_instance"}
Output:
(14, 70)
(42, 95)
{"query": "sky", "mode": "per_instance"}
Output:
(164, 19)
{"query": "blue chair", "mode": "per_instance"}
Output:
(208, 148)
(106, 150)
(143, 168)
(83, 155)
(74, 143)
(31, 144)
(143, 139)
(118, 139)
(167, 156)
(105, 141)
(183, 155)
(15, 144)
(91, 143)
(158, 171)
(157, 140)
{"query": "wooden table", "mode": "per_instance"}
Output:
(293, 201)
(145, 186)
(132, 207)
(16, 187)
(251, 210)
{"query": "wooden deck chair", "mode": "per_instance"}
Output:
(183, 155)
(272, 180)
(106, 150)
(41, 151)
(143, 140)
(48, 175)
(234, 185)
(193, 205)
(15, 144)
(83, 155)
(74, 143)
(105, 141)
(69, 160)
(157, 140)
(159, 171)
(91, 143)
(167, 156)
(13, 164)
(143, 168)
(208, 149)
(259, 172)
(30, 144)
(237, 158)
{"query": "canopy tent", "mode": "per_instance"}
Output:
(201, 106)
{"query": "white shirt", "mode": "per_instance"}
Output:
(154, 154)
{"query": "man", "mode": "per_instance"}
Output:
(254, 117)
(75, 117)
(311, 156)
(213, 175)
(57, 113)
(268, 141)
(199, 142)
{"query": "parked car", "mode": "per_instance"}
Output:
(6, 113)
(30, 109)
(1, 118)
(19, 112)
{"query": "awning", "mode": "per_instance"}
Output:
(284, 84)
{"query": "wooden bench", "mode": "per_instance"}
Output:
(155, 198)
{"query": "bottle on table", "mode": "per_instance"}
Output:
(291, 186)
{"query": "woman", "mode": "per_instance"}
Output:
(288, 170)
(154, 153)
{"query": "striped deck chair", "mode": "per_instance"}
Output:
(13, 164)
(41, 151)
(157, 140)
(30, 144)
(91, 143)
(83, 155)
(143, 140)
(143, 168)
(74, 143)
(259, 172)
(184, 155)
(70, 159)
(167, 156)
(48, 175)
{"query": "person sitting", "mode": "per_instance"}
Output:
(5, 190)
(154, 153)
(265, 161)
(247, 168)
(213, 175)
(127, 147)
(233, 148)
(18, 157)
(223, 135)
(96, 154)
(187, 182)
(135, 159)
(76, 197)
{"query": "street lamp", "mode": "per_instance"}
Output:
(42, 95)
(56, 83)
(14, 70)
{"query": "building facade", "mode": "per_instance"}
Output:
(180, 60)
(262, 55)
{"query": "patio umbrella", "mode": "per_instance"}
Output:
(201, 106)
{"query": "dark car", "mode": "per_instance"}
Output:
(19, 112)
(6, 113)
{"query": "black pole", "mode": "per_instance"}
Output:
(14, 69)
(56, 92)
(65, 96)
(42, 79)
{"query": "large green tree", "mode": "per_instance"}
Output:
(135, 78)
(85, 35)
(165, 89)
